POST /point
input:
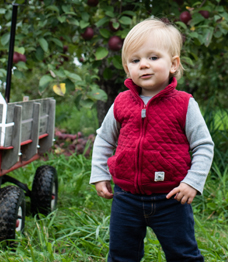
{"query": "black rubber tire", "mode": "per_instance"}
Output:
(45, 186)
(12, 199)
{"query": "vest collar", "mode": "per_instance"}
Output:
(136, 89)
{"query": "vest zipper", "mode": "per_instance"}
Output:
(139, 165)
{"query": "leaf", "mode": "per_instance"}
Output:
(87, 103)
(61, 19)
(125, 20)
(60, 89)
(187, 60)
(85, 16)
(208, 36)
(22, 65)
(101, 53)
(46, 79)
(2, 72)
(66, 8)
(110, 13)
(53, 8)
(102, 21)
(129, 13)
(20, 50)
(72, 21)
(39, 54)
(83, 24)
(104, 32)
(196, 19)
(2, 11)
(43, 44)
(115, 25)
(117, 62)
(5, 39)
(18, 74)
(98, 94)
(69, 84)
(193, 34)
(183, 25)
(57, 42)
(72, 76)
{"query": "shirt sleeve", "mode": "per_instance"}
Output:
(201, 145)
(104, 145)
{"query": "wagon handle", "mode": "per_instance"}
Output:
(11, 51)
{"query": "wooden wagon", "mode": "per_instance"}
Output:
(26, 131)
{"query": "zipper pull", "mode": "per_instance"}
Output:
(143, 112)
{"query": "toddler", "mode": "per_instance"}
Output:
(152, 127)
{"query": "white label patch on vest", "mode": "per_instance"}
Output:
(159, 176)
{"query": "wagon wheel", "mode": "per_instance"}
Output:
(12, 212)
(44, 194)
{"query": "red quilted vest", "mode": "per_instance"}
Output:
(152, 154)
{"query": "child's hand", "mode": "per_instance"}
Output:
(104, 189)
(184, 193)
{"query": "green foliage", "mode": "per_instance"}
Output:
(73, 120)
(49, 33)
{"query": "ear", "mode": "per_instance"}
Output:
(127, 70)
(175, 64)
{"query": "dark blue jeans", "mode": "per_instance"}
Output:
(171, 221)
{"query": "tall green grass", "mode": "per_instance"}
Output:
(216, 118)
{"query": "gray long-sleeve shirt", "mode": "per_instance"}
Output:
(197, 133)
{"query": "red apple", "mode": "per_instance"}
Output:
(16, 57)
(115, 43)
(204, 13)
(92, 2)
(111, 22)
(88, 34)
(22, 58)
(185, 17)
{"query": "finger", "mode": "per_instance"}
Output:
(184, 200)
(180, 196)
(173, 192)
(190, 200)
(107, 194)
(109, 187)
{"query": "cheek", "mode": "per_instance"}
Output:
(131, 70)
(162, 68)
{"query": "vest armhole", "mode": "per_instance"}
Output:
(186, 109)
(117, 100)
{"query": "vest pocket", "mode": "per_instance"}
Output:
(153, 161)
(123, 165)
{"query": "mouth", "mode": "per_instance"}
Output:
(146, 76)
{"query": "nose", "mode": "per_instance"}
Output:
(144, 63)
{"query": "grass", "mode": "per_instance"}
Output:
(79, 229)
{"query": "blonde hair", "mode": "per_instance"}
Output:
(166, 34)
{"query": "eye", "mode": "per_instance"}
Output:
(135, 61)
(154, 58)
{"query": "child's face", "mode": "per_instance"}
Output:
(150, 67)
